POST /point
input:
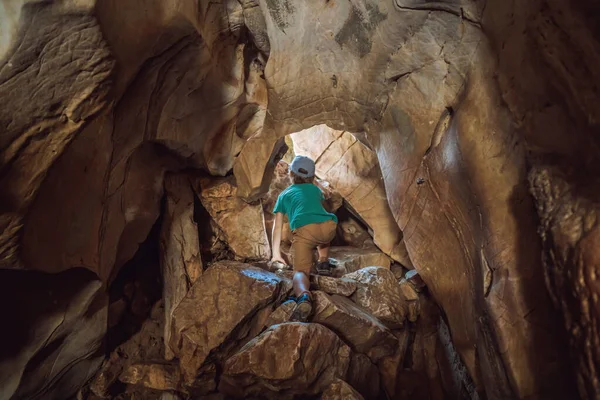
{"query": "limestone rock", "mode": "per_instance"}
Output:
(412, 298)
(340, 390)
(354, 234)
(364, 333)
(353, 170)
(54, 336)
(180, 248)
(227, 295)
(342, 286)
(281, 314)
(274, 364)
(570, 234)
(390, 367)
(49, 92)
(254, 166)
(281, 180)
(380, 294)
(242, 223)
(363, 376)
(144, 346)
(349, 259)
(152, 376)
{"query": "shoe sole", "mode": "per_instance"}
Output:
(302, 312)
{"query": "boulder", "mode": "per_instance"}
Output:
(224, 299)
(274, 365)
(242, 224)
(364, 333)
(281, 314)
(380, 294)
(329, 285)
(348, 259)
(152, 376)
(354, 234)
(340, 390)
(179, 247)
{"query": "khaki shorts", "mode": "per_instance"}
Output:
(306, 239)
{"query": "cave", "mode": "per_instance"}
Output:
(145, 142)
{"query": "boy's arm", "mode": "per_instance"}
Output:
(276, 238)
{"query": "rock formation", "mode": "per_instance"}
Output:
(461, 133)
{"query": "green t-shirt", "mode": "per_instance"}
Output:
(302, 204)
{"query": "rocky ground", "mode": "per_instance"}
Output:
(221, 327)
(231, 338)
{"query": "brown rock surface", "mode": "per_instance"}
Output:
(419, 62)
(379, 293)
(364, 333)
(342, 286)
(364, 376)
(54, 337)
(49, 92)
(352, 169)
(354, 234)
(144, 346)
(340, 390)
(152, 376)
(180, 248)
(570, 235)
(226, 296)
(457, 99)
(282, 314)
(242, 223)
(274, 364)
(348, 259)
(392, 366)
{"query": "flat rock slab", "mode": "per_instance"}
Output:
(380, 293)
(225, 297)
(342, 286)
(348, 259)
(363, 332)
(340, 390)
(242, 224)
(286, 360)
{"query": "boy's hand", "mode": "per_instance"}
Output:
(279, 259)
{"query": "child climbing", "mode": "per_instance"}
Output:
(312, 227)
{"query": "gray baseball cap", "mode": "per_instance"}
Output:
(303, 166)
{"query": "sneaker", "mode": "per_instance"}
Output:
(324, 268)
(303, 308)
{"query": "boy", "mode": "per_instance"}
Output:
(312, 227)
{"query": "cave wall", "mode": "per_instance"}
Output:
(452, 161)
(471, 107)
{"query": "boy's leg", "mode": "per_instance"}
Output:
(303, 248)
(323, 250)
(301, 284)
(325, 236)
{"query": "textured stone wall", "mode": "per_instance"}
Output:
(470, 106)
